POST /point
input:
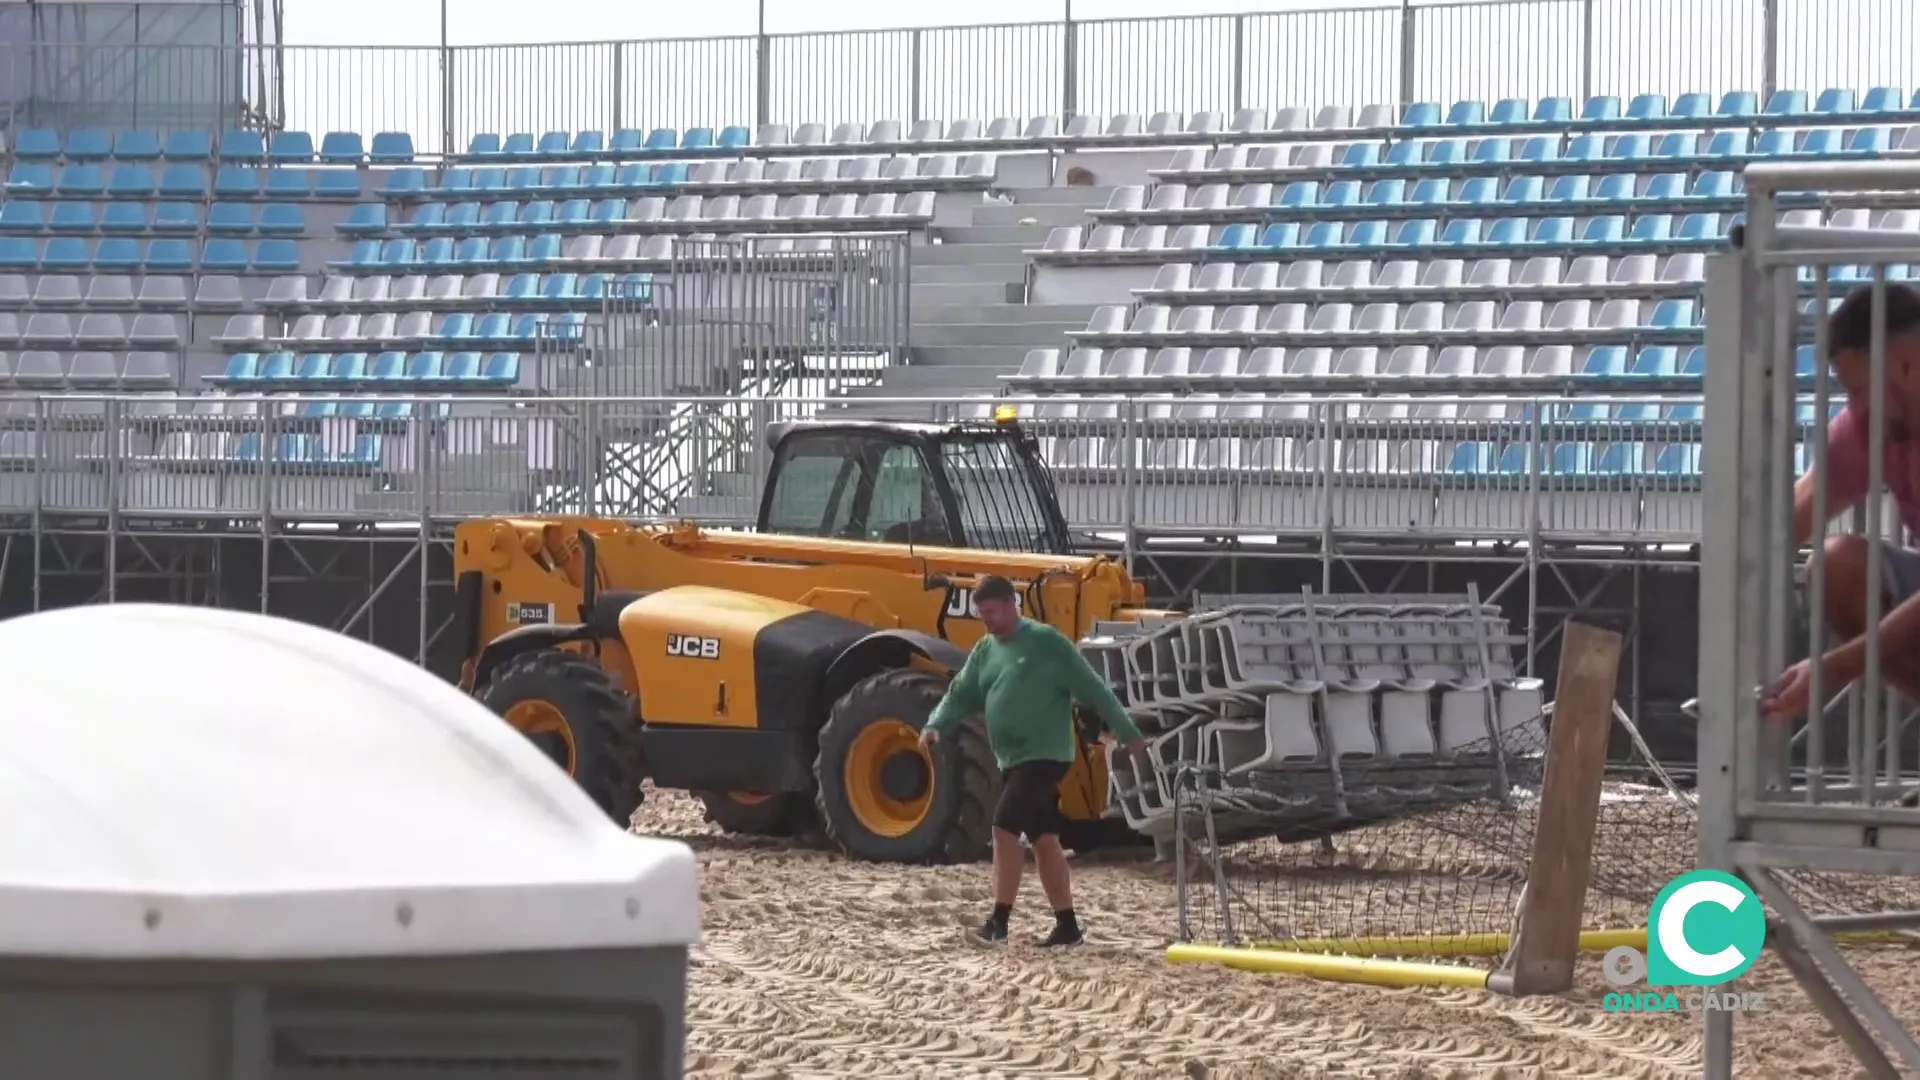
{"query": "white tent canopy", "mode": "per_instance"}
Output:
(180, 782)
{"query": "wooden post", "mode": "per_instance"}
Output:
(1546, 939)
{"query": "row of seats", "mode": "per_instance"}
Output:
(1323, 238)
(648, 212)
(93, 328)
(138, 181)
(1539, 153)
(132, 218)
(388, 328)
(396, 370)
(209, 410)
(362, 454)
(1571, 192)
(903, 172)
(1474, 317)
(236, 146)
(127, 254)
(452, 291)
(1404, 458)
(1174, 366)
(36, 369)
(1590, 275)
(525, 290)
(208, 292)
(1831, 105)
(406, 255)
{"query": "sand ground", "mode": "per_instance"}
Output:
(817, 966)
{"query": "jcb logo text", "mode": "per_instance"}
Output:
(695, 648)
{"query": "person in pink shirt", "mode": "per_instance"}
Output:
(1849, 333)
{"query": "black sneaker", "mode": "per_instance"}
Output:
(991, 933)
(1063, 934)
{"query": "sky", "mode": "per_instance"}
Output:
(553, 65)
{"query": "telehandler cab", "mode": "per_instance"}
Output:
(783, 675)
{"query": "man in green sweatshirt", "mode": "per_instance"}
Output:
(1025, 676)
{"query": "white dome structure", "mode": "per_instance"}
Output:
(190, 783)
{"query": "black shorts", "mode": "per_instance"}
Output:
(1030, 799)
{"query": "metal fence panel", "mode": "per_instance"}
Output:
(1384, 54)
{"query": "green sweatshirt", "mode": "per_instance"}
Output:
(1026, 686)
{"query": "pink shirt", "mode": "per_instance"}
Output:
(1847, 463)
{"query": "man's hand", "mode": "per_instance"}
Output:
(1788, 696)
(928, 737)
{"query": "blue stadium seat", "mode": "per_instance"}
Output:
(282, 219)
(662, 140)
(276, 256)
(312, 367)
(171, 217)
(120, 254)
(189, 145)
(365, 219)
(183, 182)
(290, 148)
(236, 182)
(18, 253)
(231, 219)
(89, 144)
(124, 217)
(391, 148)
(32, 143)
(81, 182)
(241, 367)
(72, 217)
(501, 370)
(136, 146)
(1738, 104)
(405, 183)
(22, 216)
(224, 255)
(493, 326)
(387, 367)
(460, 368)
(425, 367)
(131, 181)
(286, 183)
(65, 253)
(170, 255)
(242, 147)
(342, 148)
(1659, 361)
(348, 368)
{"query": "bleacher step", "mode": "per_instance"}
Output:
(1030, 334)
(965, 273)
(1047, 215)
(941, 294)
(1007, 357)
(1012, 253)
(917, 380)
(1093, 195)
(1022, 236)
(1075, 316)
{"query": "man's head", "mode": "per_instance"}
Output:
(1850, 343)
(998, 605)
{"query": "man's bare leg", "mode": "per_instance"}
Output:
(1846, 605)
(1057, 880)
(1007, 866)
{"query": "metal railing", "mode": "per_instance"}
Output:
(1390, 52)
(1444, 469)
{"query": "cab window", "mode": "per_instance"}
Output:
(814, 489)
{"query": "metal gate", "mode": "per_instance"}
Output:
(1812, 816)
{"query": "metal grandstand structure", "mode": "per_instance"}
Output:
(1832, 797)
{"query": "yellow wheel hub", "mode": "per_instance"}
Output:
(546, 726)
(889, 778)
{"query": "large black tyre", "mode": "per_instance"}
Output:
(778, 813)
(957, 822)
(600, 744)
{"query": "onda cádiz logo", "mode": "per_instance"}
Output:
(1706, 929)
